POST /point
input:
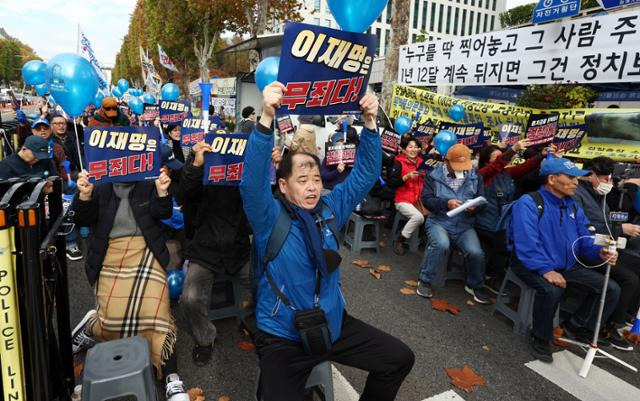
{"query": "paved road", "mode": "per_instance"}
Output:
(440, 340)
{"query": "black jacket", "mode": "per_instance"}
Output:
(100, 212)
(216, 226)
(14, 166)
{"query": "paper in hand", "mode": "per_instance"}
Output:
(479, 201)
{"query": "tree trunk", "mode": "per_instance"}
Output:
(399, 37)
(257, 20)
(204, 50)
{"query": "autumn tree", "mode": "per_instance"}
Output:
(522, 14)
(399, 37)
(13, 54)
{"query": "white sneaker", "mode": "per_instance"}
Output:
(81, 337)
(175, 389)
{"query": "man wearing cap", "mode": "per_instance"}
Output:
(42, 128)
(446, 188)
(32, 160)
(109, 115)
(547, 235)
(248, 120)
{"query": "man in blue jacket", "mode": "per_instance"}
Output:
(446, 188)
(544, 244)
(303, 278)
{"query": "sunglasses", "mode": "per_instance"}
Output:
(110, 108)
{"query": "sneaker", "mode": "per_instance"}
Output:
(493, 284)
(81, 337)
(480, 295)
(586, 336)
(202, 354)
(618, 341)
(175, 389)
(424, 289)
(540, 349)
(73, 252)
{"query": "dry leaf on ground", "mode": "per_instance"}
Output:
(632, 337)
(444, 306)
(246, 333)
(453, 309)
(362, 263)
(77, 369)
(411, 283)
(246, 345)
(407, 291)
(382, 244)
(486, 348)
(383, 268)
(376, 274)
(195, 394)
(465, 379)
(470, 302)
(224, 398)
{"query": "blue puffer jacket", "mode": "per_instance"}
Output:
(436, 194)
(292, 270)
(544, 244)
(489, 216)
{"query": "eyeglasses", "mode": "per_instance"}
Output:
(110, 108)
(41, 128)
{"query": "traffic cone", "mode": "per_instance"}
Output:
(634, 335)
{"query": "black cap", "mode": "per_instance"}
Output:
(38, 145)
(168, 159)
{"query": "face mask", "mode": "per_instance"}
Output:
(604, 188)
(459, 174)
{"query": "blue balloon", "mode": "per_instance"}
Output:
(73, 81)
(116, 92)
(402, 125)
(123, 85)
(267, 72)
(356, 15)
(170, 92)
(444, 140)
(175, 282)
(456, 112)
(97, 99)
(34, 72)
(52, 100)
(41, 89)
(148, 99)
(136, 105)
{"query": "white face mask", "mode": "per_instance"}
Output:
(604, 188)
(459, 174)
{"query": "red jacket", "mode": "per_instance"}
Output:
(411, 190)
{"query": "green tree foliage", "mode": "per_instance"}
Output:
(522, 14)
(13, 55)
(557, 96)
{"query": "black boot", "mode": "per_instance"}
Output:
(398, 245)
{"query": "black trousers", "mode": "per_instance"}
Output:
(285, 366)
(495, 250)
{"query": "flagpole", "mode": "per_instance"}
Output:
(78, 40)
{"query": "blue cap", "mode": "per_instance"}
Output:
(168, 159)
(561, 166)
(40, 121)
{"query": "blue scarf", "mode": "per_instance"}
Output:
(312, 238)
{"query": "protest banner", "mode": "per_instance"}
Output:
(429, 163)
(150, 113)
(285, 125)
(569, 137)
(173, 112)
(192, 129)
(228, 103)
(471, 135)
(340, 154)
(390, 141)
(225, 163)
(616, 151)
(223, 87)
(165, 61)
(326, 71)
(122, 154)
(86, 50)
(510, 133)
(541, 128)
(602, 48)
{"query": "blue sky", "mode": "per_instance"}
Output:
(50, 26)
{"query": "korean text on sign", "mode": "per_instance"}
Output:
(225, 163)
(326, 71)
(471, 135)
(340, 154)
(173, 112)
(192, 129)
(122, 154)
(542, 128)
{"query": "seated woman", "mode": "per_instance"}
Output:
(408, 181)
(125, 262)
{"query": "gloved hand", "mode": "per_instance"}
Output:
(21, 117)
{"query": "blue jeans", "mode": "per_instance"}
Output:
(436, 255)
(548, 297)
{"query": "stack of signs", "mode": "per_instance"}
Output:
(122, 154)
(390, 141)
(173, 112)
(429, 163)
(510, 133)
(225, 163)
(541, 128)
(424, 133)
(569, 137)
(150, 113)
(192, 130)
(340, 154)
(471, 135)
(285, 125)
(326, 71)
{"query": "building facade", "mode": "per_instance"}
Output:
(428, 19)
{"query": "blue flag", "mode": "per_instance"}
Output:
(549, 10)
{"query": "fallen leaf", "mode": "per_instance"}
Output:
(407, 291)
(364, 263)
(376, 274)
(77, 369)
(632, 337)
(411, 283)
(245, 333)
(470, 302)
(245, 303)
(486, 348)
(382, 244)
(195, 394)
(246, 345)
(454, 310)
(224, 398)
(444, 306)
(383, 268)
(465, 379)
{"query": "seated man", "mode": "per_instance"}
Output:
(300, 309)
(32, 160)
(446, 188)
(590, 196)
(545, 234)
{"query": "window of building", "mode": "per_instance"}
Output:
(470, 30)
(389, 11)
(464, 21)
(486, 19)
(448, 19)
(387, 40)
(327, 23)
(316, 6)
(416, 8)
(473, 3)
(493, 19)
(466, 1)
(424, 15)
(377, 41)
(494, 5)
(455, 21)
(440, 18)
(479, 3)
(316, 21)
(433, 17)
(478, 22)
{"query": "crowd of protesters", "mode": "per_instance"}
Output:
(547, 197)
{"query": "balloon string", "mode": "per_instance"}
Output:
(75, 128)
